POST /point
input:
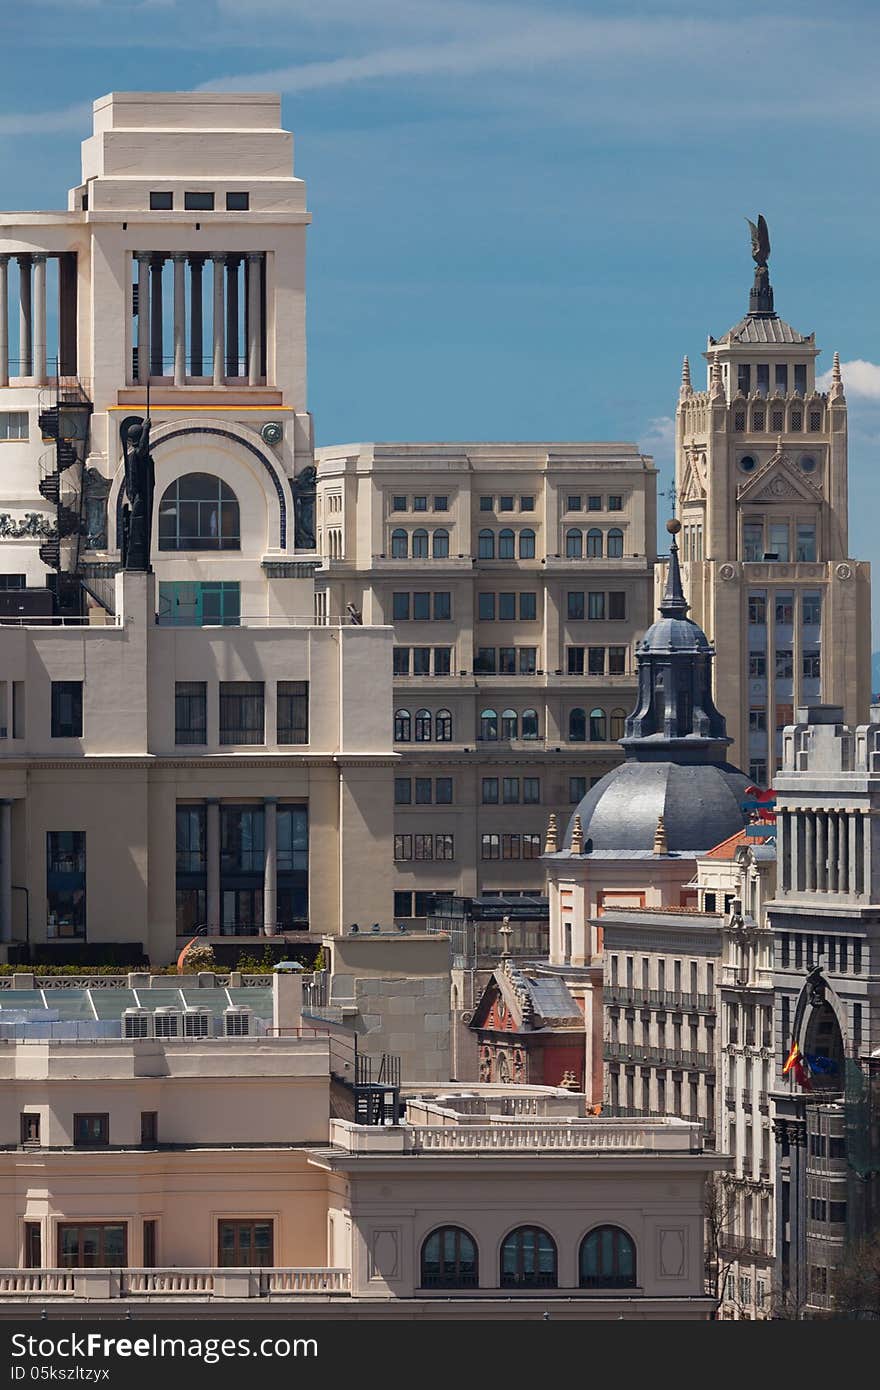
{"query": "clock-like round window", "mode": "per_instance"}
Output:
(272, 432)
(748, 464)
(807, 463)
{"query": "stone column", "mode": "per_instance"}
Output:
(844, 851)
(867, 854)
(39, 319)
(179, 259)
(821, 851)
(810, 851)
(26, 334)
(232, 264)
(156, 336)
(212, 849)
(5, 870)
(219, 261)
(270, 865)
(4, 320)
(143, 343)
(255, 316)
(833, 876)
(196, 353)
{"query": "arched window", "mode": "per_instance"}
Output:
(489, 725)
(402, 726)
(607, 1259)
(423, 726)
(574, 545)
(527, 544)
(594, 544)
(506, 549)
(528, 1259)
(399, 544)
(509, 723)
(597, 726)
(615, 543)
(577, 726)
(618, 724)
(449, 1260)
(420, 545)
(530, 723)
(486, 545)
(440, 545)
(443, 726)
(199, 512)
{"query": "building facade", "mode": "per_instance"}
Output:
(517, 578)
(762, 482)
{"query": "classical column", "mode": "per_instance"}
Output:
(156, 336)
(844, 851)
(212, 849)
(232, 264)
(255, 316)
(219, 261)
(821, 851)
(26, 333)
(784, 850)
(270, 865)
(833, 876)
(179, 259)
(39, 319)
(5, 870)
(196, 353)
(4, 320)
(143, 343)
(867, 855)
(810, 885)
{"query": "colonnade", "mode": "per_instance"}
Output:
(270, 863)
(32, 317)
(236, 350)
(825, 850)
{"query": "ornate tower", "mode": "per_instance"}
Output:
(761, 474)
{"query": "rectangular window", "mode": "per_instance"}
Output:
(596, 607)
(781, 377)
(421, 607)
(507, 661)
(423, 846)
(594, 504)
(400, 607)
(442, 606)
(244, 1244)
(575, 661)
(573, 503)
(214, 603)
(510, 847)
(293, 712)
(806, 541)
(532, 791)
(528, 608)
(33, 1245)
(30, 1127)
(784, 715)
(615, 503)
(596, 661)
(531, 848)
(484, 661)
(190, 712)
(510, 790)
(91, 1130)
(757, 720)
(424, 791)
(486, 504)
(527, 504)
(66, 883)
(811, 665)
(486, 608)
(92, 1244)
(420, 504)
(242, 712)
(617, 606)
(757, 609)
(67, 709)
(421, 658)
(151, 1244)
(238, 202)
(444, 847)
(617, 661)
(13, 424)
(402, 791)
(784, 610)
(753, 540)
(528, 660)
(811, 610)
(443, 791)
(490, 791)
(757, 665)
(161, 202)
(403, 847)
(12, 581)
(762, 378)
(743, 377)
(784, 665)
(149, 1126)
(506, 608)
(490, 846)
(398, 503)
(505, 504)
(198, 201)
(778, 540)
(402, 903)
(577, 789)
(575, 606)
(441, 503)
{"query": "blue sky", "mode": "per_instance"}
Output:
(525, 211)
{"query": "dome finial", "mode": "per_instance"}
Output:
(836, 392)
(686, 388)
(577, 836)
(673, 603)
(550, 844)
(661, 844)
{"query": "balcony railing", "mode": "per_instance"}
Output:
(170, 1283)
(629, 996)
(659, 1056)
(594, 1134)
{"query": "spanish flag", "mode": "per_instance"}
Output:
(794, 1063)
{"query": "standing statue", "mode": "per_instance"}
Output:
(305, 486)
(761, 296)
(760, 240)
(140, 479)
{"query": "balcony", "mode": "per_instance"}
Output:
(658, 1056)
(629, 996)
(25, 1285)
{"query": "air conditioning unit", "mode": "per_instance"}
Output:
(237, 1021)
(137, 1023)
(167, 1023)
(197, 1023)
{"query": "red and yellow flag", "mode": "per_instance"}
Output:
(791, 1059)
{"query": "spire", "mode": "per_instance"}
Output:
(686, 388)
(836, 392)
(716, 381)
(577, 836)
(550, 844)
(661, 844)
(673, 603)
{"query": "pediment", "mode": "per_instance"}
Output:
(778, 480)
(693, 483)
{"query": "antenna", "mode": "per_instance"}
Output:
(672, 493)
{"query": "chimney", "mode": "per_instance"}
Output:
(287, 993)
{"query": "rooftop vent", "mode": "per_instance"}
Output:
(237, 1021)
(136, 1023)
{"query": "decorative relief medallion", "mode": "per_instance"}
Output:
(844, 572)
(727, 572)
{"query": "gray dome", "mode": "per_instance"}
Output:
(701, 805)
(675, 635)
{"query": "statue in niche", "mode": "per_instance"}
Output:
(97, 488)
(140, 480)
(305, 486)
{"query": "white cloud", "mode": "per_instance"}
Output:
(659, 437)
(861, 380)
(47, 122)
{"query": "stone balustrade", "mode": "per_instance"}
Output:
(33, 1284)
